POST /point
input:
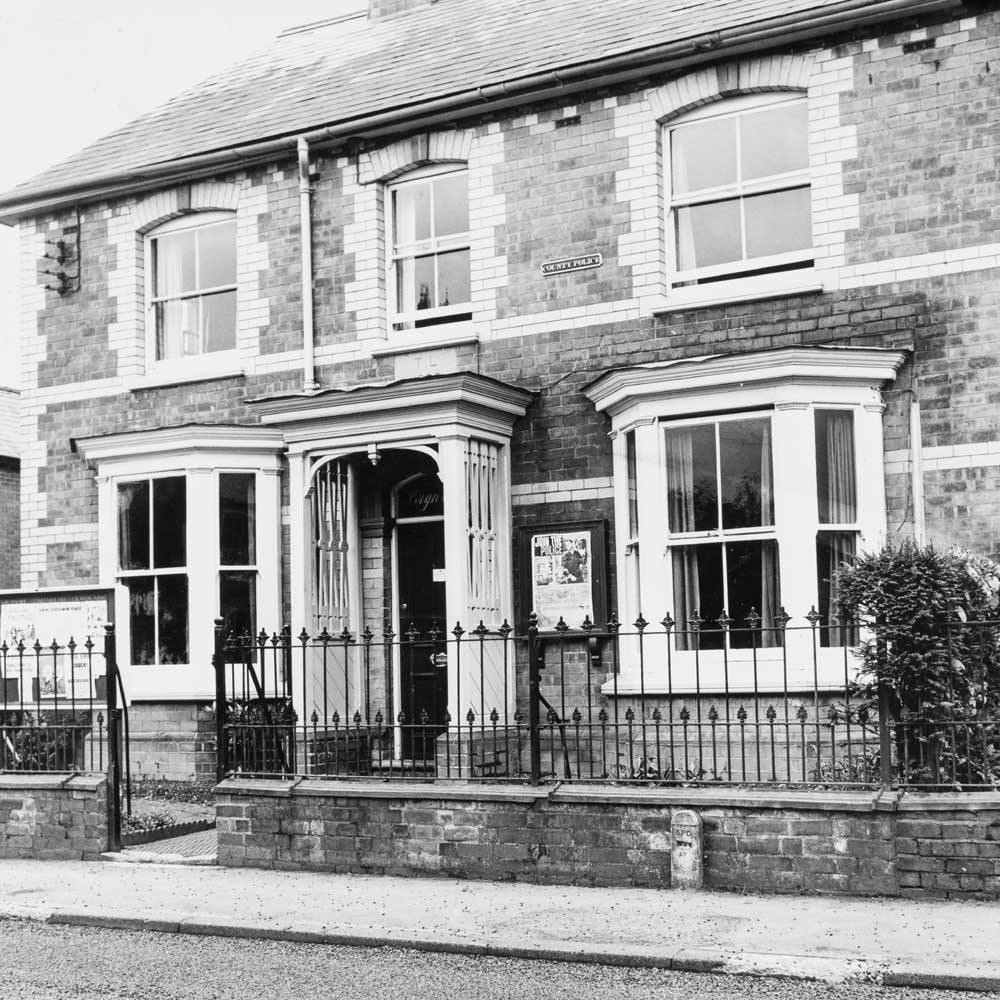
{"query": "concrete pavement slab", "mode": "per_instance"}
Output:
(826, 938)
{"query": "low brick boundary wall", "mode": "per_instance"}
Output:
(850, 843)
(53, 817)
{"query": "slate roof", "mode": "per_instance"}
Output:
(342, 71)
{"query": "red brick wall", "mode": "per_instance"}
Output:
(10, 524)
(850, 843)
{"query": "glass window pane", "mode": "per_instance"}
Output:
(237, 517)
(834, 551)
(421, 294)
(169, 522)
(775, 141)
(238, 601)
(779, 222)
(451, 204)
(453, 278)
(745, 459)
(174, 263)
(697, 577)
(172, 617)
(708, 234)
(703, 155)
(133, 525)
(836, 487)
(412, 213)
(177, 328)
(633, 485)
(219, 321)
(142, 618)
(692, 495)
(752, 585)
(217, 255)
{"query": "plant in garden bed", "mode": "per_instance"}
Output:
(147, 821)
(933, 641)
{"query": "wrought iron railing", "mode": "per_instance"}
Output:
(62, 711)
(779, 703)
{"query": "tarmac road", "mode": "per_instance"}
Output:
(44, 962)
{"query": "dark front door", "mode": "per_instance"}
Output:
(422, 619)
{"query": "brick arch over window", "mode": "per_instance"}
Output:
(748, 76)
(216, 196)
(391, 161)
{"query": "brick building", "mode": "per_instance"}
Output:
(10, 490)
(723, 277)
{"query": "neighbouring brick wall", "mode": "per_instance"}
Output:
(174, 741)
(10, 524)
(53, 817)
(851, 843)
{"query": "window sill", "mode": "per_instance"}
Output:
(427, 340)
(728, 292)
(196, 370)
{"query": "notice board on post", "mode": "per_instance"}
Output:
(52, 645)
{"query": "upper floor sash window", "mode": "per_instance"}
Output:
(192, 286)
(739, 190)
(429, 243)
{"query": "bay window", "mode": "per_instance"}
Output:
(189, 522)
(747, 481)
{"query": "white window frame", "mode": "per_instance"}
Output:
(200, 455)
(738, 285)
(202, 363)
(790, 384)
(122, 575)
(437, 322)
(719, 536)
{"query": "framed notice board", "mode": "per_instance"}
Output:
(58, 670)
(564, 573)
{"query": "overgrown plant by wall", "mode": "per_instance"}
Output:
(933, 641)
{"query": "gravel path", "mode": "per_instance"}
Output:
(41, 962)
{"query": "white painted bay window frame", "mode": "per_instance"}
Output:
(200, 455)
(790, 385)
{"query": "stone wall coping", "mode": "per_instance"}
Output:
(257, 786)
(24, 782)
(327, 788)
(948, 801)
(824, 801)
(85, 782)
(702, 798)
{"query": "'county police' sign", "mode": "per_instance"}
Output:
(572, 264)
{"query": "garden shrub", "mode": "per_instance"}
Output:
(933, 642)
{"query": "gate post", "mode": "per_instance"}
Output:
(219, 665)
(114, 740)
(534, 701)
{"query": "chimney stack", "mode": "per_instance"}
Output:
(378, 10)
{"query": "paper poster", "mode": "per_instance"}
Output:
(562, 574)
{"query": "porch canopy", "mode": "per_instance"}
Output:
(350, 453)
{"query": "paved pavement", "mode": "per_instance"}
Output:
(905, 943)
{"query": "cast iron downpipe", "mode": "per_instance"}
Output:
(309, 383)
